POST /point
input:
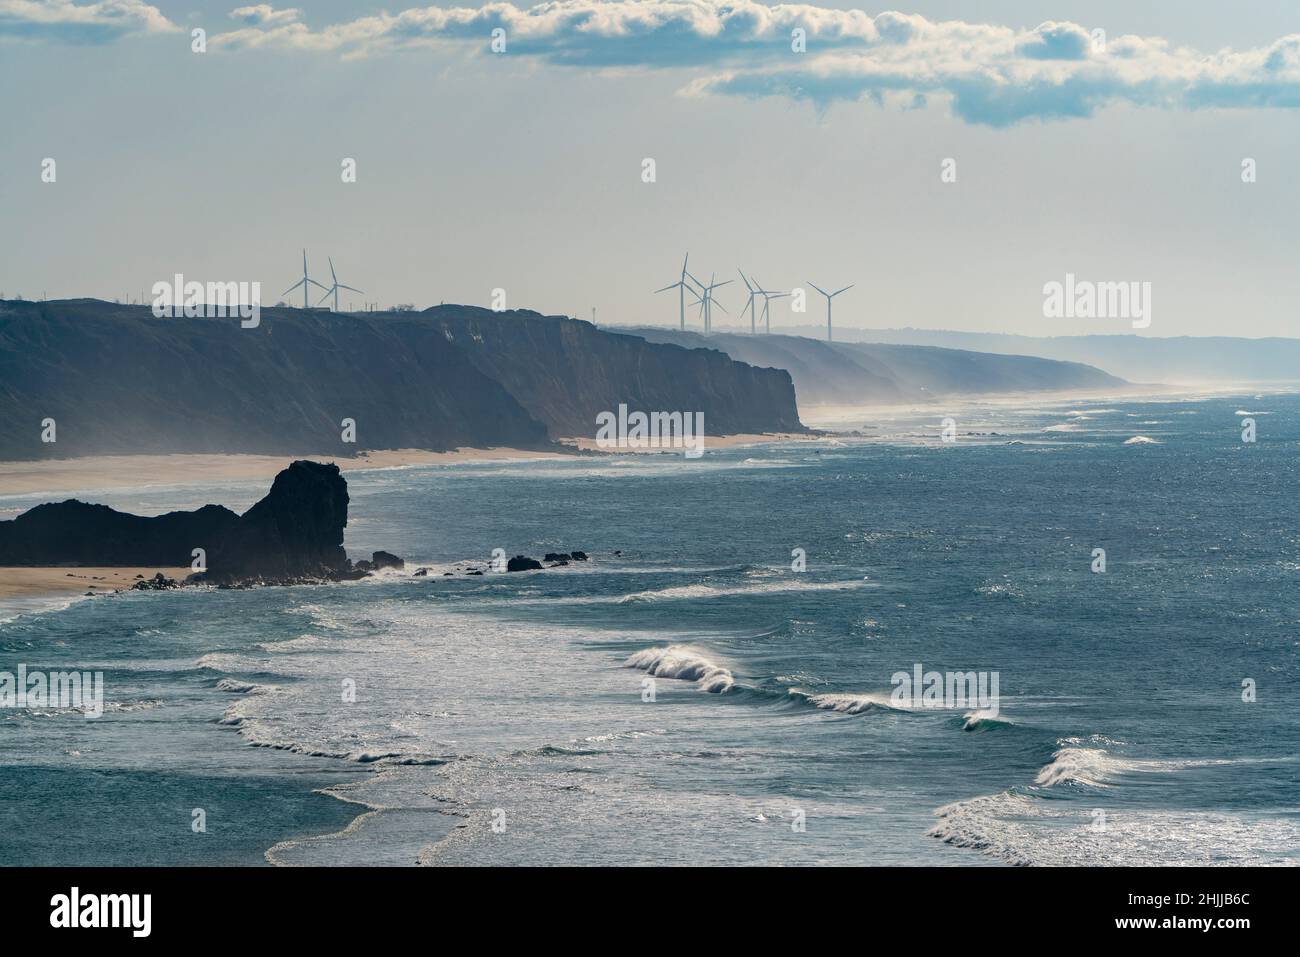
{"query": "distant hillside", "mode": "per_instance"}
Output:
(1196, 360)
(117, 380)
(855, 373)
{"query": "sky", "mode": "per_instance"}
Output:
(1115, 159)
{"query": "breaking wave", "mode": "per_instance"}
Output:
(685, 664)
(677, 592)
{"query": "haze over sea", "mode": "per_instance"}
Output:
(1122, 735)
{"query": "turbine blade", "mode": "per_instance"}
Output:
(845, 289)
(350, 289)
(292, 288)
(324, 297)
(818, 288)
(332, 276)
(666, 288)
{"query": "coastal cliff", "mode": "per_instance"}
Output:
(862, 373)
(114, 379)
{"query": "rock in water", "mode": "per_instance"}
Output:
(380, 560)
(296, 530)
(581, 556)
(522, 563)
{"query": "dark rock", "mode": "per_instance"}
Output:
(559, 564)
(421, 572)
(362, 566)
(74, 532)
(157, 583)
(386, 560)
(475, 571)
(580, 556)
(292, 536)
(556, 557)
(297, 529)
(522, 563)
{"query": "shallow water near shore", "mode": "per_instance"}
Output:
(503, 719)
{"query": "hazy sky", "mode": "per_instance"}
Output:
(523, 170)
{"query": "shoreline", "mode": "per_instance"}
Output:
(77, 477)
(25, 587)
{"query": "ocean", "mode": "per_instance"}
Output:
(687, 696)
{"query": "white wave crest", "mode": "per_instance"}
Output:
(1141, 440)
(711, 591)
(685, 664)
(982, 719)
(852, 703)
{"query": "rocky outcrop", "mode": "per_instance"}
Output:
(296, 530)
(78, 533)
(522, 563)
(379, 560)
(294, 534)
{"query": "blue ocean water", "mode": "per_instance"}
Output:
(505, 719)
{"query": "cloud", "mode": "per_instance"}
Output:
(69, 22)
(264, 15)
(984, 73)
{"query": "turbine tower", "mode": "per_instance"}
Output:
(304, 282)
(753, 294)
(681, 287)
(335, 288)
(829, 296)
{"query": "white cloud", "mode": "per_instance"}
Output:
(265, 15)
(986, 73)
(64, 20)
(989, 74)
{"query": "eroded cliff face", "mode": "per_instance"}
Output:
(117, 380)
(565, 372)
(858, 373)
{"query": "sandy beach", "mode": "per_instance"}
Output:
(64, 580)
(75, 477)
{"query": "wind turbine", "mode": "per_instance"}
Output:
(304, 282)
(333, 289)
(829, 296)
(708, 302)
(768, 295)
(753, 315)
(681, 287)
